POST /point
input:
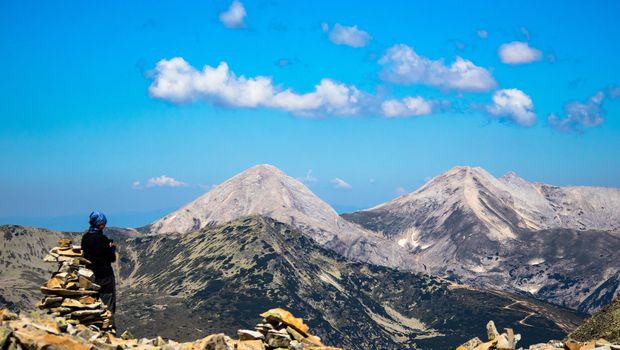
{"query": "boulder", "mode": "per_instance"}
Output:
(246, 334)
(214, 342)
(491, 330)
(280, 315)
(277, 339)
(250, 345)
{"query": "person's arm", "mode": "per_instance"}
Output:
(107, 249)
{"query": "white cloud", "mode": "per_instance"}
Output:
(340, 184)
(308, 178)
(350, 36)
(407, 107)
(233, 17)
(580, 115)
(400, 191)
(136, 185)
(483, 34)
(164, 181)
(176, 81)
(518, 52)
(514, 105)
(401, 64)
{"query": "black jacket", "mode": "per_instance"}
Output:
(96, 248)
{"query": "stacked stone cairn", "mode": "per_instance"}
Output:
(508, 341)
(71, 293)
(280, 330)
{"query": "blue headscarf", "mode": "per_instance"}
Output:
(96, 218)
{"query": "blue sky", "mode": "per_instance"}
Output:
(108, 106)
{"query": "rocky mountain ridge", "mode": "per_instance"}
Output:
(217, 279)
(554, 243)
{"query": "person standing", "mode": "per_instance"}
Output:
(101, 252)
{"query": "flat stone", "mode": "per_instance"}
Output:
(246, 334)
(87, 300)
(50, 302)
(54, 282)
(61, 310)
(86, 273)
(276, 339)
(66, 292)
(281, 315)
(78, 305)
(84, 313)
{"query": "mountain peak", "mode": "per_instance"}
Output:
(467, 171)
(265, 169)
(260, 190)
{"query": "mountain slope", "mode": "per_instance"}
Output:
(603, 324)
(22, 269)
(217, 279)
(255, 263)
(555, 243)
(265, 190)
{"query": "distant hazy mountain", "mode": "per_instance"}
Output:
(558, 243)
(266, 190)
(218, 279)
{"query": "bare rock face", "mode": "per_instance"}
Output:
(265, 190)
(556, 243)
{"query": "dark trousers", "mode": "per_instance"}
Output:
(107, 294)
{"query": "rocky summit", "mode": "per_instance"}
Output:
(279, 330)
(557, 244)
